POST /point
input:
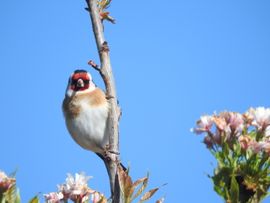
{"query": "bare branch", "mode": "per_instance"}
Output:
(106, 73)
(94, 65)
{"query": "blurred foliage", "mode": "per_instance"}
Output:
(241, 145)
(9, 193)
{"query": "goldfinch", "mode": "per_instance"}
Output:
(86, 111)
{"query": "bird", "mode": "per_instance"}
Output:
(86, 110)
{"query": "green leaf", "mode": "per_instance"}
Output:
(18, 197)
(11, 194)
(219, 190)
(102, 200)
(221, 180)
(234, 190)
(2, 198)
(34, 200)
(237, 149)
(226, 149)
(253, 133)
(220, 158)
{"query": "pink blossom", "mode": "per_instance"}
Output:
(208, 141)
(255, 146)
(203, 125)
(244, 141)
(220, 123)
(217, 137)
(54, 197)
(5, 182)
(234, 122)
(265, 146)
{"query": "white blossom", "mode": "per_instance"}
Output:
(260, 117)
(3, 176)
(76, 187)
(54, 197)
(267, 131)
(96, 197)
(203, 125)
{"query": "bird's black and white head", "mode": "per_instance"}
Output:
(80, 81)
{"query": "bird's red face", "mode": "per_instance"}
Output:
(79, 80)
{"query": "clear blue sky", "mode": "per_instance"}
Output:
(173, 61)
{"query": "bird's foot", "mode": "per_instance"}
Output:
(109, 154)
(108, 97)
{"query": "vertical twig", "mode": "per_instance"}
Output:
(107, 76)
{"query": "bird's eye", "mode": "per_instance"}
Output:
(86, 82)
(73, 82)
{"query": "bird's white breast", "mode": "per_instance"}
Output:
(88, 129)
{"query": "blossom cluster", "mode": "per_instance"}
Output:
(6, 182)
(76, 189)
(250, 130)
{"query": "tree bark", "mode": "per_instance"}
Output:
(114, 112)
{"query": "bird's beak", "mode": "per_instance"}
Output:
(80, 83)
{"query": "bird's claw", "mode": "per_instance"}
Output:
(108, 153)
(108, 97)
